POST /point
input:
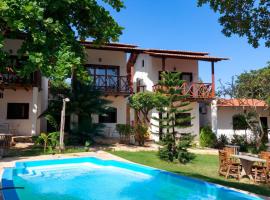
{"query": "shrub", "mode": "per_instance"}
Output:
(49, 140)
(183, 155)
(240, 141)
(168, 151)
(124, 130)
(222, 141)
(207, 137)
(141, 133)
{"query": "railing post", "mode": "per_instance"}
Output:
(213, 79)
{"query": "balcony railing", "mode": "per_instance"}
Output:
(192, 90)
(10, 79)
(115, 85)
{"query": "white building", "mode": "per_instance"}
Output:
(118, 70)
(220, 115)
(22, 100)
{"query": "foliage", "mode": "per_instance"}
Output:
(240, 141)
(84, 103)
(251, 85)
(51, 30)
(49, 140)
(124, 130)
(183, 155)
(144, 102)
(207, 137)
(244, 18)
(87, 145)
(141, 133)
(239, 122)
(174, 105)
(222, 140)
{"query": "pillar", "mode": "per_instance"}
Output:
(34, 111)
(214, 116)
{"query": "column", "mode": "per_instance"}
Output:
(214, 116)
(34, 111)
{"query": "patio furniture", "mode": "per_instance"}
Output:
(227, 167)
(233, 148)
(247, 164)
(261, 171)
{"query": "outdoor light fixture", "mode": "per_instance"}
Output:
(62, 125)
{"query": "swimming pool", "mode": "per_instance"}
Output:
(94, 179)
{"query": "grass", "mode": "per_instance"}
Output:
(37, 150)
(203, 167)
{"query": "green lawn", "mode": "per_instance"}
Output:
(203, 167)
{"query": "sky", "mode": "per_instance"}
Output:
(181, 25)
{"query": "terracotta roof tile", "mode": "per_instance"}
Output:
(241, 102)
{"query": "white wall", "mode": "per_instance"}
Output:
(20, 95)
(224, 122)
(114, 58)
(150, 75)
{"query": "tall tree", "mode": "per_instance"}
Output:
(250, 18)
(171, 119)
(50, 31)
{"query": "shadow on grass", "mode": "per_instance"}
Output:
(261, 189)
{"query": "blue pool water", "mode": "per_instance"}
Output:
(94, 179)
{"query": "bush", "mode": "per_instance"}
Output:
(222, 141)
(240, 141)
(49, 141)
(124, 130)
(141, 133)
(207, 137)
(183, 155)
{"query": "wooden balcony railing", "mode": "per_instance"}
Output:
(11, 79)
(114, 85)
(192, 90)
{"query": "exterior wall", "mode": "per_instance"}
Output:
(34, 125)
(111, 58)
(105, 57)
(149, 74)
(152, 65)
(224, 120)
(25, 127)
(120, 103)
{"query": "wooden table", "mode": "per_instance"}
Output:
(247, 163)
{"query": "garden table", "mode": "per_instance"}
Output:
(247, 163)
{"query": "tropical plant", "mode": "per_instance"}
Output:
(141, 133)
(222, 141)
(172, 117)
(51, 30)
(48, 140)
(125, 131)
(207, 137)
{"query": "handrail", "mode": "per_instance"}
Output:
(112, 83)
(192, 89)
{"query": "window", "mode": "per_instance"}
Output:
(110, 117)
(18, 111)
(239, 122)
(183, 119)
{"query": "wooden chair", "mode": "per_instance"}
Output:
(261, 172)
(227, 167)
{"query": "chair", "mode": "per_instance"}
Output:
(261, 172)
(227, 167)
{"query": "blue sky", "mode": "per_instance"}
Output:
(181, 25)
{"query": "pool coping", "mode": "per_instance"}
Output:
(7, 177)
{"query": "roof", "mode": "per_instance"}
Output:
(186, 56)
(129, 48)
(241, 103)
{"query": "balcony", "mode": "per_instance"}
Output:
(10, 80)
(193, 91)
(112, 85)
